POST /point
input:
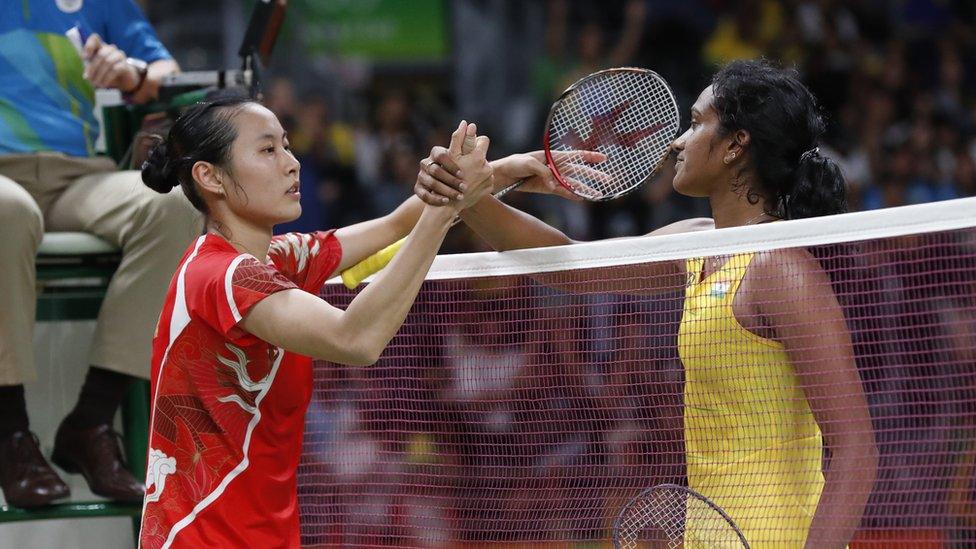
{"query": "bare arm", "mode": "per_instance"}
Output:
(806, 317)
(506, 228)
(445, 183)
(361, 240)
(303, 323)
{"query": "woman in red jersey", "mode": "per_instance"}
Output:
(231, 367)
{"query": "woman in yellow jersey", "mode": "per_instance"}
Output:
(770, 378)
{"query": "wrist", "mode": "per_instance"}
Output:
(141, 69)
(441, 214)
(498, 171)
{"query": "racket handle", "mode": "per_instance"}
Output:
(354, 275)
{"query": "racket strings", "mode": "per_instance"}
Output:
(674, 518)
(630, 116)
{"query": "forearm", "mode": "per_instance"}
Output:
(156, 71)
(405, 217)
(506, 228)
(375, 315)
(848, 484)
(362, 240)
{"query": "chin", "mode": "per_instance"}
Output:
(683, 188)
(286, 217)
(678, 184)
(292, 214)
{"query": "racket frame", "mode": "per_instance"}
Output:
(674, 487)
(550, 162)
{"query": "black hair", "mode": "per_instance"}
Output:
(784, 124)
(204, 132)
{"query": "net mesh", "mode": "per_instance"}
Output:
(629, 115)
(530, 408)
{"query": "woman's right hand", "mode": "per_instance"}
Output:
(471, 154)
(461, 175)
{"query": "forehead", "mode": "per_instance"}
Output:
(704, 102)
(257, 119)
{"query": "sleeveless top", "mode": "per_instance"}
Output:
(753, 446)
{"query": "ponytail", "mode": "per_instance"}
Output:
(818, 189)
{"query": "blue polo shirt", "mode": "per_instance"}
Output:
(45, 102)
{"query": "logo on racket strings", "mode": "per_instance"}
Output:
(604, 131)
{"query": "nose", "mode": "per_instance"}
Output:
(293, 166)
(678, 144)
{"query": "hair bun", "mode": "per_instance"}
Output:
(157, 170)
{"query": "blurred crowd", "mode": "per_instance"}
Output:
(893, 79)
(509, 411)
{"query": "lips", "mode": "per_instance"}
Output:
(294, 189)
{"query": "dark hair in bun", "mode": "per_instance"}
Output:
(157, 172)
(784, 123)
(203, 133)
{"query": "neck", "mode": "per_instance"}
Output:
(244, 237)
(732, 209)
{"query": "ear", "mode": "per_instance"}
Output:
(738, 144)
(208, 177)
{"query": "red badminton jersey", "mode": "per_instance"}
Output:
(228, 408)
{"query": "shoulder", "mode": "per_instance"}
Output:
(694, 224)
(213, 260)
(787, 272)
(785, 261)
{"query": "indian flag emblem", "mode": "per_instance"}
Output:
(720, 289)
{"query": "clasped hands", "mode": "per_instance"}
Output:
(442, 177)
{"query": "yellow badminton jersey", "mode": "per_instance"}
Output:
(753, 446)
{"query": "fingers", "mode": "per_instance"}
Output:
(435, 176)
(91, 46)
(481, 146)
(540, 170)
(442, 157)
(107, 66)
(563, 192)
(457, 139)
(592, 157)
(470, 139)
(437, 192)
(427, 196)
(581, 189)
(582, 171)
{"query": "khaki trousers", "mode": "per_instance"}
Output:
(55, 192)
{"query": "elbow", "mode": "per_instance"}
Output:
(359, 357)
(363, 353)
(367, 359)
(860, 454)
(355, 343)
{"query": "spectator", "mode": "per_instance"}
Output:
(50, 178)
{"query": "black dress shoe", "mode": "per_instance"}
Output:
(96, 453)
(25, 476)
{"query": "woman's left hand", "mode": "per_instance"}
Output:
(439, 179)
(436, 177)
